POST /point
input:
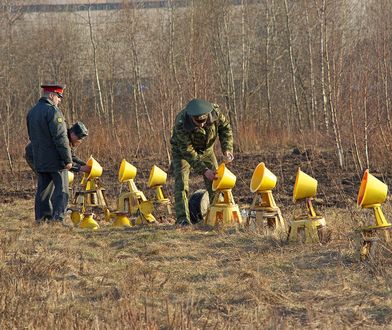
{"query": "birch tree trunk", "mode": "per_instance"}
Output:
(365, 125)
(313, 99)
(173, 65)
(267, 69)
(137, 76)
(244, 63)
(335, 122)
(353, 130)
(322, 55)
(385, 77)
(96, 71)
(292, 67)
(231, 93)
(135, 102)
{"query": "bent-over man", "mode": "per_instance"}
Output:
(195, 131)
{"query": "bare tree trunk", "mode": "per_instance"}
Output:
(381, 124)
(138, 81)
(94, 46)
(165, 139)
(353, 130)
(221, 46)
(6, 135)
(267, 68)
(380, 95)
(111, 98)
(244, 62)
(173, 64)
(313, 100)
(134, 93)
(365, 125)
(385, 78)
(178, 100)
(335, 122)
(11, 18)
(322, 55)
(230, 83)
(292, 68)
(191, 50)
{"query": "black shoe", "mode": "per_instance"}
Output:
(183, 223)
(43, 220)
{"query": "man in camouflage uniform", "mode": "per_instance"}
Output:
(194, 134)
(52, 156)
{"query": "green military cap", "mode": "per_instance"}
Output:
(198, 107)
(79, 130)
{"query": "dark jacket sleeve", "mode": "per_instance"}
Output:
(58, 131)
(29, 156)
(76, 162)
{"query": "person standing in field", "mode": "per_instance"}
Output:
(76, 135)
(194, 134)
(52, 156)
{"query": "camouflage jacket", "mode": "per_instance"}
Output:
(48, 135)
(189, 142)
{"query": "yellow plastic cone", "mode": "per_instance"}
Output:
(305, 186)
(96, 168)
(146, 207)
(76, 217)
(127, 171)
(88, 222)
(372, 191)
(225, 179)
(262, 179)
(157, 177)
(71, 177)
(121, 221)
(84, 180)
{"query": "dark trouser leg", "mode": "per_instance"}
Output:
(43, 206)
(60, 194)
(181, 187)
(46, 198)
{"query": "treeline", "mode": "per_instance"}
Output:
(309, 73)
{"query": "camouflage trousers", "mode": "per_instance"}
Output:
(51, 198)
(181, 170)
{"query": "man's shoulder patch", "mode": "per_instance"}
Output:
(59, 120)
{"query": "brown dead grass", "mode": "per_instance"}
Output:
(167, 277)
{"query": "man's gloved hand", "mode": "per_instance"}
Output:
(85, 169)
(210, 175)
(228, 157)
(75, 168)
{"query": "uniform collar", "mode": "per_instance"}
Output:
(189, 125)
(46, 100)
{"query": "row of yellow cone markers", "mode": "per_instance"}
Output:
(127, 172)
(372, 191)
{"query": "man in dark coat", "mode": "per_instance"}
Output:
(76, 135)
(52, 155)
(195, 131)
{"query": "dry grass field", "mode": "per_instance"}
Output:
(169, 277)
